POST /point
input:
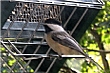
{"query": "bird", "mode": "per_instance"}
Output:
(61, 42)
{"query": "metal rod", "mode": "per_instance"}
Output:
(34, 53)
(15, 48)
(13, 57)
(59, 14)
(27, 20)
(7, 48)
(70, 17)
(28, 43)
(31, 36)
(38, 45)
(68, 3)
(7, 64)
(46, 56)
(78, 21)
(17, 61)
(41, 61)
(51, 65)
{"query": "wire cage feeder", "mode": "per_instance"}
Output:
(23, 33)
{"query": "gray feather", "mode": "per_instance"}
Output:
(66, 40)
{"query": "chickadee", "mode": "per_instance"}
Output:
(61, 42)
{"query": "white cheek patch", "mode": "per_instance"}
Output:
(55, 27)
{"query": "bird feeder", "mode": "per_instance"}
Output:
(22, 32)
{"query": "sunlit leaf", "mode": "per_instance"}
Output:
(11, 62)
(102, 26)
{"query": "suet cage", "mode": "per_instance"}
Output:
(22, 32)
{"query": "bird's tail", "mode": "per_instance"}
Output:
(98, 66)
(87, 56)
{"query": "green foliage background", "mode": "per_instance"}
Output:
(101, 25)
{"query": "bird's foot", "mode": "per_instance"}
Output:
(53, 56)
(50, 56)
(59, 57)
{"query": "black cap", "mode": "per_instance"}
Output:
(53, 21)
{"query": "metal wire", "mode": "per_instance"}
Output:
(79, 21)
(22, 29)
(34, 7)
(7, 65)
(27, 43)
(17, 60)
(27, 20)
(37, 55)
(42, 61)
(34, 52)
(70, 17)
(37, 12)
(81, 3)
(51, 65)
(36, 48)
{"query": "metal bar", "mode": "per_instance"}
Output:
(31, 35)
(17, 38)
(51, 65)
(27, 20)
(38, 45)
(14, 58)
(7, 64)
(42, 56)
(12, 22)
(70, 17)
(17, 60)
(7, 48)
(18, 25)
(41, 61)
(15, 48)
(35, 52)
(31, 58)
(29, 41)
(47, 56)
(30, 38)
(79, 21)
(23, 43)
(101, 2)
(66, 3)
(59, 14)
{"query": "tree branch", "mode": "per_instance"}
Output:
(68, 70)
(101, 47)
(100, 51)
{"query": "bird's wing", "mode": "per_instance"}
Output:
(66, 40)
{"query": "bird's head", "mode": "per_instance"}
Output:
(52, 25)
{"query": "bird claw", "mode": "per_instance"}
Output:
(52, 56)
(59, 57)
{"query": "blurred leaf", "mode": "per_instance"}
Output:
(101, 24)
(2, 50)
(11, 62)
(106, 24)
